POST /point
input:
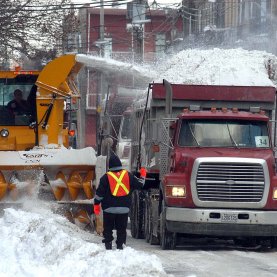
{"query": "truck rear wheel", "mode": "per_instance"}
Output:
(148, 223)
(153, 240)
(167, 238)
(147, 219)
(136, 216)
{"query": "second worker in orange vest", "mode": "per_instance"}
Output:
(114, 194)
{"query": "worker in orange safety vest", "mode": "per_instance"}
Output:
(114, 194)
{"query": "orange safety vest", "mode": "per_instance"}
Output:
(119, 182)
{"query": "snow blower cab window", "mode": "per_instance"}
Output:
(222, 133)
(15, 109)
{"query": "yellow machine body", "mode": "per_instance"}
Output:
(34, 153)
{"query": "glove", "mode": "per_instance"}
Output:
(96, 209)
(143, 172)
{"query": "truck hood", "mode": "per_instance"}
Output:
(190, 154)
(197, 152)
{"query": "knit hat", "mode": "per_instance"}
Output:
(114, 163)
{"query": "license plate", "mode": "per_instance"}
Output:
(229, 218)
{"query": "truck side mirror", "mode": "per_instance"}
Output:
(172, 129)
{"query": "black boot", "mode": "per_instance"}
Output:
(108, 245)
(119, 246)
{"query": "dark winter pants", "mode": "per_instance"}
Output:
(117, 222)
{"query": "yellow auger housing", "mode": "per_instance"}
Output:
(55, 83)
(35, 158)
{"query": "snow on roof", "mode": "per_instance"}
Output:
(218, 67)
(40, 243)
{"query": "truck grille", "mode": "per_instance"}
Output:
(230, 182)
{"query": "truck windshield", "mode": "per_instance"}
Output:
(224, 133)
(15, 109)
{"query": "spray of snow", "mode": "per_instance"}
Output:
(233, 67)
(107, 65)
(200, 67)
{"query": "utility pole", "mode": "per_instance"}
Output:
(102, 119)
(273, 25)
(138, 22)
(82, 77)
(102, 28)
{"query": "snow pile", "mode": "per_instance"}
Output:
(219, 67)
(45, 244)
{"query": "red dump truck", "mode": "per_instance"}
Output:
(210, 159)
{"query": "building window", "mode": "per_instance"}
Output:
(91, 101)
(160, 44)
(91, 94)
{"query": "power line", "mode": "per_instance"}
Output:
(56, 7)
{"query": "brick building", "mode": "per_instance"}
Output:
(125, 40)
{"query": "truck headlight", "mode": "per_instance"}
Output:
(275, 193)
(175, 191)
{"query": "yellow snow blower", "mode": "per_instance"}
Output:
(35, 157)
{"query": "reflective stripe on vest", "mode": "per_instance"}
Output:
(117, 186)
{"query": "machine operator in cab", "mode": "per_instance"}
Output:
(18, 106)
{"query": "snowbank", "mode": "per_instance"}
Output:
(45, 244)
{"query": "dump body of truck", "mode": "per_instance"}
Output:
(35, 157)
(210, 159)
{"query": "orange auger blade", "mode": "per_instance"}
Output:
(3, 186)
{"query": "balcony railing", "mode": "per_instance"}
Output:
(91, 101)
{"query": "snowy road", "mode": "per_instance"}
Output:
(218, 260)
(203, 260)
(36, 242)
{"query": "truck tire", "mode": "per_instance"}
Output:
(146, 219)
(148, 223)
(137, 224)
(274, 243)
(247, 242)
(153, 240)
(167, 238)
